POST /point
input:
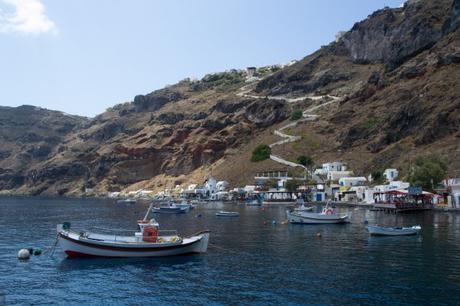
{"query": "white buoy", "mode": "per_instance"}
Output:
(23, 254)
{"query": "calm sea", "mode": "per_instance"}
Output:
(248, 262)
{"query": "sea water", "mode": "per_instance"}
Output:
(249, 261)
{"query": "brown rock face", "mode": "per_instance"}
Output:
(397, 73)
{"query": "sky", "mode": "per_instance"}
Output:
(83, 56)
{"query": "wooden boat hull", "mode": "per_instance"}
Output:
(75, 246)
(315, 218)
(389, 231)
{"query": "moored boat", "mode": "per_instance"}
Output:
(149, 241)
(375, 230)
(227, 214)
(171, 208)
(327, 216)
(184, 204)
(127, 201)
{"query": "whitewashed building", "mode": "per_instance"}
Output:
(337, 175)
(211, 185)
(390, 174)
(222, 186)
(352, 181)
(332, 166)
(395, 185)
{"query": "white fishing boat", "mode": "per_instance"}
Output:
(326, 216)
(127, 201)
(183, 204)
(171, 208)
(375, 230)
(149, 241)
(227, 214)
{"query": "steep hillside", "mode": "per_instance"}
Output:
(390, 89)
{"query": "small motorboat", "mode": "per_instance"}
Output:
(148, 241)
(227, 214)
(127, 201)
(184, 204)
(170, 208)
(375, 230)
(326, 216)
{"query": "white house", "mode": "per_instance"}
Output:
(337, 175)
(332, 166)
(211, 185)
(352, 181)
(390, 174)
(453, 186)
(192, 187)
(249, 188)
(221, 185)
(395, 185)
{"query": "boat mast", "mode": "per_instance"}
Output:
(148, 212)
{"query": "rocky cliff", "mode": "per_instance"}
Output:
(396, 73)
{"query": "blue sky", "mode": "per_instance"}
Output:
(82, 56)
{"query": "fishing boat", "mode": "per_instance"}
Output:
(170, 208)
(227, 214)
(184, 204)
(326, 216)
(148, 241)
(127, 201)
(375, 230)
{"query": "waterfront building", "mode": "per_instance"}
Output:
(334, 176)
(390, 174)
(449, 193)
(352, 181)
(331, 166)
(222, 186)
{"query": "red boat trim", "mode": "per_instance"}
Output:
(108, 247)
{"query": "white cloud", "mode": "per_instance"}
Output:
(28, 17)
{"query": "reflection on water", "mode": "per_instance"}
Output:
(249, 259)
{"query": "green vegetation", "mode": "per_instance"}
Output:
(272, 183)
(428, 171)
(292, 185)
(370, 123)
(310, 141)
(296, 114)
(221, 81)
(377, 176)
(262, 152)
(306, 161)
(295, 145)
